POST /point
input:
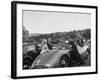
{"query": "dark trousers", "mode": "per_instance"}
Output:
(75, 56)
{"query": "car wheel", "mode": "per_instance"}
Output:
(27, 63)
(26, 66)
(64, 61)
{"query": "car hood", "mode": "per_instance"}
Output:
(49, 57)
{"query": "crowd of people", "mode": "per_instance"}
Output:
(46, 45)
(70, 45)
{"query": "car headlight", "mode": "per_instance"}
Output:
(38, 61)
(47, 65)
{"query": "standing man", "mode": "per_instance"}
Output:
(74, 52)
(49, 44)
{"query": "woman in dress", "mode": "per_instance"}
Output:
(44, 46)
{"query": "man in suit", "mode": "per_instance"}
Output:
(73, 51)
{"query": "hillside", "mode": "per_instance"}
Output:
(61, 35)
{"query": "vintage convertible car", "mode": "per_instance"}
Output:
(56, 58)
(52, 59)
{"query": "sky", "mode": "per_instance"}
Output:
(50, 22)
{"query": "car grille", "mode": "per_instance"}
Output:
(39, 67)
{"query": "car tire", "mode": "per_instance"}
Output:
(27, 63)
(64, 61)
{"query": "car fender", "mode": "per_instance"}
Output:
(54, 60)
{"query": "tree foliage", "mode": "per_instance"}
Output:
(59, 36)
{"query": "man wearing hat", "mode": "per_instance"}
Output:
(73, 52)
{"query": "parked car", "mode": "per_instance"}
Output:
(56, 58)
(52, 59)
